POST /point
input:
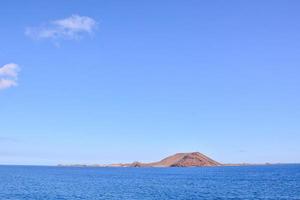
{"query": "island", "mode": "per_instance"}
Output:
(192, 159)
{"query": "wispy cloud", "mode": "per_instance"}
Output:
(70, 28)
(9, 75)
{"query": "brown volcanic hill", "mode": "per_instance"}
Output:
(194, 159)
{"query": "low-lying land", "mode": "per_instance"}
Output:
(193, 159)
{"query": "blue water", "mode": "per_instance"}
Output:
(255, 182)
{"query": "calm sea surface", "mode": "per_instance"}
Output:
(255, 182)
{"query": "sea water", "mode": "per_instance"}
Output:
(244, 182)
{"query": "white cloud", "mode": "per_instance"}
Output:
(9, 75)
(77, 23)
(73, 27)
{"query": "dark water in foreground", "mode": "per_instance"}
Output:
(255, 182)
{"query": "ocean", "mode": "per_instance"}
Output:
(245, 182)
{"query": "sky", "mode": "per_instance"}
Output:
(99, 81)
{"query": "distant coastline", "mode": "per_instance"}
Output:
(193, 159)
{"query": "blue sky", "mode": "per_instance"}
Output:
(119, 81)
